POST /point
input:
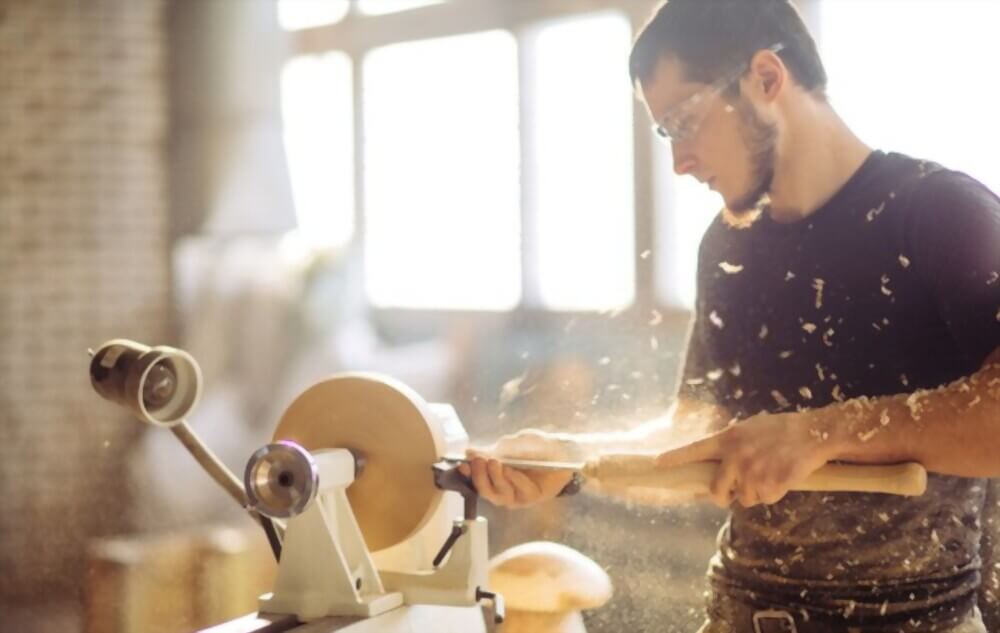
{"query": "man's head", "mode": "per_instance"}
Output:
(715, 76)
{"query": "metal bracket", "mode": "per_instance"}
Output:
(499, 611)
(448, 477)
(457, 530)
(773, 621)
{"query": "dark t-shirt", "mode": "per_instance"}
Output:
(890, 287)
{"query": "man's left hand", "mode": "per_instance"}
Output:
(761, 458)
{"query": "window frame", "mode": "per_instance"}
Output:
(358, 33)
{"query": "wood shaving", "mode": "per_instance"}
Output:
(994, 276)
(884, 418)
(716, 320)
(874, 213)
(849, 609)
(818, 286)
(789, 276)
(780, 399)
(904, 261)
(819, 372)
(913, 403)
(809, 327)
(714, 375)
(806, 393)
(785, 354)
(885, 289)
(826, 337)
(763, 332)
(511, 389)
(867, 435)
(730, 269)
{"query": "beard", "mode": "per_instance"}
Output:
(760, 139)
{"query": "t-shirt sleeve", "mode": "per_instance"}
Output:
(955, 240)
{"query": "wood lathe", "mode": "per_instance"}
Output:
(374, 527)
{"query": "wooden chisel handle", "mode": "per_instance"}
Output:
(640, 471)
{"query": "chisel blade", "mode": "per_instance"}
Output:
(526, 464)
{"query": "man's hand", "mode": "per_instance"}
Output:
(761, 458)
(514, 488)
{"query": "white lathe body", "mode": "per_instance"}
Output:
(373, 530)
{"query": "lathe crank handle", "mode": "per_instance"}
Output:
(457, 530)
(499, 611)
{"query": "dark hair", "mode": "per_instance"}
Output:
(712, 37)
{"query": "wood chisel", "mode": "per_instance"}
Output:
(641, 471)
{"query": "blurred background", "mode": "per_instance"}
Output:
(461, 194)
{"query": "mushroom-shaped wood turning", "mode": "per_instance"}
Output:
(545, 585)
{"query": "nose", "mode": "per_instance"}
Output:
(684, 161)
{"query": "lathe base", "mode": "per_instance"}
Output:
(405, 619)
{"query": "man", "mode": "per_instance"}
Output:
(848, 309)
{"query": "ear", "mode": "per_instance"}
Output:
(768, 75)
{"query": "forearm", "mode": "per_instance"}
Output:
(954, 429)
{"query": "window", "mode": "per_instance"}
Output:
(380, 7)
(685, 209)
(441, 160)
(304, 14)
(924, 86)
(317, 118)
(580, 130)
(495, 164)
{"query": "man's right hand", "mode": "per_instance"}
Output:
(515, 488)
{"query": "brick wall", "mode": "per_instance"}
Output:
(83, 244)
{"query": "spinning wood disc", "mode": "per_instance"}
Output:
(391, 428)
